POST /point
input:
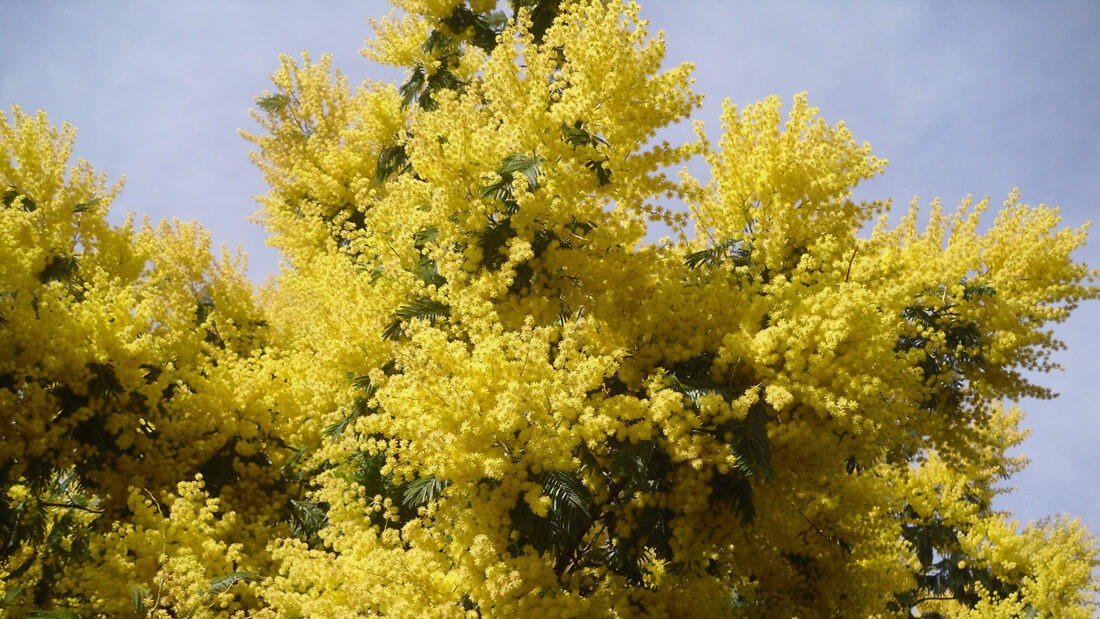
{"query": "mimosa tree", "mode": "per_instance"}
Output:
(482, 386)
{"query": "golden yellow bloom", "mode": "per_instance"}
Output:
(477, 389)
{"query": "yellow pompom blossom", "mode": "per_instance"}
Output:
(525, 409)
(128, 362)
(180, 564)
(476, 389)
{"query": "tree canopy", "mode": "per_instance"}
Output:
(481, 385)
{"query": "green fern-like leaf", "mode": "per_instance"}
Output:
(274, 104)
(291, 471)
(361, 407)
(484, 29)
(139, 595)
(59, 268)
(603, 173)
(492, 241)
(750, 444)
(223, 583)
(104, 381)
(92, 202)
(734, 491)
(425, 236)
(566, 492)
(565, 524)
(509, 167)
(732, 251)
(577, 135)
(528, 166)
(708, 256)
(412, 87)
(358, 409)
(975, 291)
(500, 190)
(423, 308)
(428, 272)
(437, 42)
(651, 530)
(307, 519)
(392, 160)
(641, 466)
(422, 491)
(13, 197)
(393, 331)
(11, 595)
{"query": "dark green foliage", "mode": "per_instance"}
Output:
(639, 467)
(445, 44)
(577, 135)
(423, 490)
(732, 251)
(222, 468)
(92, 202)
(392, 160)
(218, 471)
(502, 189)
(493, 239)
(359, 408)
(579, 532)
(945, 367)
(569, 517)
(498, 230)
(104, 386)
(539, 244)
(223, 583)
(422, 86)
(482, 30)
(13, 195)
(747, 437)
(603, 173)
(59, 268)
(425, 236)
(368, 473)
(651, 531)
(976, 291)
(749, 442)
(53, 513)
(735, 492)
(427, 268)
(428, 272)
(423, 308)
(307, 519)
(542, 14)
(852, 466)
(204, 309)
(104, 383)
(412, 87)
(946, 572)
(274, 104)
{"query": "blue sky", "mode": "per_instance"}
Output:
(962, 98)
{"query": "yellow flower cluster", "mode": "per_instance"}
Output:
(128, 362)
(163, 560)
(475, 389)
